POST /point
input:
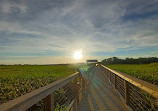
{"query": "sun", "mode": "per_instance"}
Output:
(77, 54)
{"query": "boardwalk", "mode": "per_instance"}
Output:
(100, 95)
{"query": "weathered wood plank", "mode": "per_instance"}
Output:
(100, 95)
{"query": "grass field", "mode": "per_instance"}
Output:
(18, 80)
(147, 72)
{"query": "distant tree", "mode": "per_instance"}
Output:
(116, 60)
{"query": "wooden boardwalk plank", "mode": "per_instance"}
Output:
(100, 95)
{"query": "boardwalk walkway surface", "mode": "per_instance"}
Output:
(100, 95)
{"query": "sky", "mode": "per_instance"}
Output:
(50, 31)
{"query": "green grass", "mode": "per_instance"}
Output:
(147, 72)
(21, 79)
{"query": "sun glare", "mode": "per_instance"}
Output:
(77, 54)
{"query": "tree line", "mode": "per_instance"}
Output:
(141, 60)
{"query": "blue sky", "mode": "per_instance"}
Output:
(49, 31)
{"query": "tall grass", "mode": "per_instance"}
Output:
(19, 80)
(147, 72)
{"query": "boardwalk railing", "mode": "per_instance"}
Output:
(62, 94)
(137, 94)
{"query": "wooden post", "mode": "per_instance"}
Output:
(33, 108)
(82, 80)
(110, 75)
(106, 71)
(126, 92)
(76, 94)
(115, 82)
(49, 102)
(75, 103)
(74, 107)
(157, 101)
(83, 84)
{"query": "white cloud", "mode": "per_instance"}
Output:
(7, 7)
(89, 25)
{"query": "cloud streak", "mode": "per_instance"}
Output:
(99, 28)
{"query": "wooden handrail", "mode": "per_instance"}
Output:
(24, 102)
(146, 86)
(143, 85)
